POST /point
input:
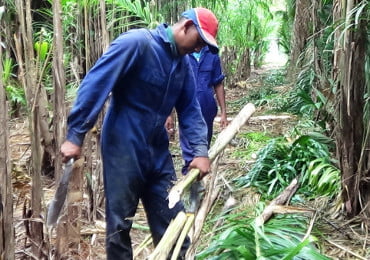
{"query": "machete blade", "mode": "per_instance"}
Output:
(57, 203)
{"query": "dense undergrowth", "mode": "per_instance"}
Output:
(268, 163)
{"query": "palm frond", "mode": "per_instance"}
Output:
(280, 161)
(280, 238)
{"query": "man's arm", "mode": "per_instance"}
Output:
(100, 81)
(220, 95)
(192, 124)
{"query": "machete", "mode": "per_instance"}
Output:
(196, 189)
(57, 203)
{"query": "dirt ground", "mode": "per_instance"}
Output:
(92, 234)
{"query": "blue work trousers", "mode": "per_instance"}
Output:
(124, 186)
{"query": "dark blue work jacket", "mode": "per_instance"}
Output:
(146, 80)
(207, 71)
(208, 74)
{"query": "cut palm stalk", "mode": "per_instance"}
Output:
(181, 239)
(220, 143)
(231, 130)
(142, 245)
(168, 240)
(171, 235)
(175, 193)
(283, 198)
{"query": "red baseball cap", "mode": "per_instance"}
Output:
(206, 23)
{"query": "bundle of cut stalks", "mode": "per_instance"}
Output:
(180, 226)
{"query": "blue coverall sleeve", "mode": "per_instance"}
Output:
(99, 82)
(217, 76)
(191, 121)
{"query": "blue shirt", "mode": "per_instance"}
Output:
(207, 69)
(145, 80)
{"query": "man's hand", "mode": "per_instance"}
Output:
(223, 121)
(170, 126)
(70, 150)
(203, 164)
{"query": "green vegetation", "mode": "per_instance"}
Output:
(280, 161)
(266, 95)
(249, 144)
(283, 237)
(304, 152)
(15, 92)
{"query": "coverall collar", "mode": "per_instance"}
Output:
(198, 55)
(166, 34)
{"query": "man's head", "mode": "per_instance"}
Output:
(196, 28)
(206, 23)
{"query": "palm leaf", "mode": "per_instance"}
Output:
(280, 238)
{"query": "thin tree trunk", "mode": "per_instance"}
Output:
(59, 113)
(244, 65)
(31, 76)
(6, 195)
(301, 27)
(349, 72)
(28, 77)
(36, 226)
(105, 36)
(228, 59)
(59, 87)
(87, 33)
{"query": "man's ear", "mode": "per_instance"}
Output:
(188, 23)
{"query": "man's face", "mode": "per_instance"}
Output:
(189, 40)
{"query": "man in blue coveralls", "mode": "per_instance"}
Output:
(209, 77)
(147, 73)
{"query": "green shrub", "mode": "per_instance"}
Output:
(280, 161)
